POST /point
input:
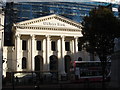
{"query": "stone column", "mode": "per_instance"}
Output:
(44, 45)
(47, 52)
(62, 55)
(75, 47)
(32, 52)
(18, 58)
(59, 55)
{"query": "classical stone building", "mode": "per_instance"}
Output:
(44, 44)
(1, 43)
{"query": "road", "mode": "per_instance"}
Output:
(58, 86)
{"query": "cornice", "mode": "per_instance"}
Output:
(46, 28)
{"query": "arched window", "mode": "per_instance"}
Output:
(24, 63)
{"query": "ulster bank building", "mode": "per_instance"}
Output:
(44, 44)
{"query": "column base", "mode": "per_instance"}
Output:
(63, 76)
(63, 73)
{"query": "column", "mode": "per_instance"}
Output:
(18, 58)
(47, 52)
(62, 55)
(75, 47)
(44, 45)
(32, 52)
(59, 54)
(1, 64)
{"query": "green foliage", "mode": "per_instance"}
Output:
(99, 30)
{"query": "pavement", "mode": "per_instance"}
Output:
(58, 86)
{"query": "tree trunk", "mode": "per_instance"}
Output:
(92, 57)
(103, 60)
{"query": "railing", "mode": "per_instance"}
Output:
(20, 78)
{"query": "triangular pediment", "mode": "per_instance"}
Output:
(51, 21)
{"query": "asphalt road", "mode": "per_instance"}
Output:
(59, 86)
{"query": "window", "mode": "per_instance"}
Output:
(24, 63)
(53, 46)
(24, 44)
(39, 45)
(67, 46)
(51, 11)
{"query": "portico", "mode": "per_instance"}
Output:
(46, 43)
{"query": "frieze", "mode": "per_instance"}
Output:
(53, 24)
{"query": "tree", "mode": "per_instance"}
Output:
(99, 30)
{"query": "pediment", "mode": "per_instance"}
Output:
(51, 21)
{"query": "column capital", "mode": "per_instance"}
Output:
(17, 35)
(62, 36)
(76, 37)
(32, 36)
(48, 36)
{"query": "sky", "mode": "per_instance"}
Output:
(114, 1)
(45, 0)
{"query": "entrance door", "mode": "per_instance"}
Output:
(67, 63)
(38, 63)
(54, 66)
(53, 63)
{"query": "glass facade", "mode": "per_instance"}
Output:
(72, 10)
(17, 12)
(29, 10)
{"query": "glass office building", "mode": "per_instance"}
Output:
(74, 11)
(21, 11)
